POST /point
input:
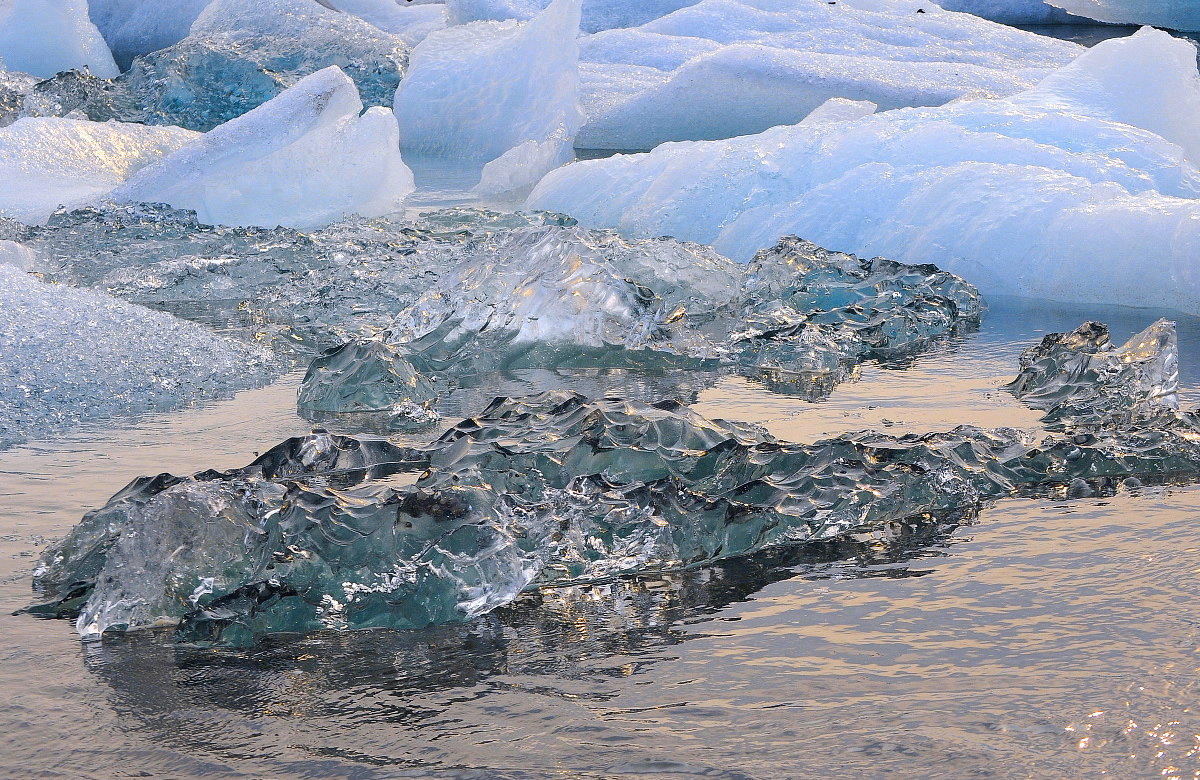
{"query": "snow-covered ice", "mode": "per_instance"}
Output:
(1084, 189)
(723, 68)
(303, 159)
(44, 37)
(476, 91)
(50, 162)
(68, 356)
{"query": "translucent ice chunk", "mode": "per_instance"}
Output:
(1051, 194)
(20, 257)
(133, 27)
(363, 376)
(333, 532)
(48, 162)
(1081, 381)
(68, 356)
(43, 37)
(304, 159)
(478, 90)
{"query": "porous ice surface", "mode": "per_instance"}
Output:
(328, 531)
(49, 162)
(1174, 14)
(597, 14)
(43, 37)
(1084, 188)
(303, 159)
(241, 53)
(69, 356)
(723, 68)
(489, 90)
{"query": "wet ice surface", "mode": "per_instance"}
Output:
(1047, 637)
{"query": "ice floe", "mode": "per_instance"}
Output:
(303, 159)
(722, 68)
(43, 37)
(484, 90)
(49, 162)
(69, 356)
(1049, 194)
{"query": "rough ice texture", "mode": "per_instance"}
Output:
(241, 53)
(43, 37)
(1083, 381)
(1174, 14)
(69, 356)
(723, 68)
(330, 532)
(1048, 194)
(304, 159)
(476, 91)
(48, 162)
(597, 14)
(362, 376)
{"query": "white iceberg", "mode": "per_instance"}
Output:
(303, 160)
(45, 37)
(1175, 14)
(597, 14)
(1085, 188)
(49, 162)
(68, 356)
(475, 91)
(723, 68)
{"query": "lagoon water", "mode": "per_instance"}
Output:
(1046, 638)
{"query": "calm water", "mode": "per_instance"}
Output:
(1045, 639)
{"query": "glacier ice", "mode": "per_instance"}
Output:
(303, 159)
(597, 14)
(49, 162)
(43, 37)
(476, 91)
(241, 53)
(332, 532)
(1051, 193)
(1174, 14)
(364, 376)
(1082, 380)
(723, 68)
(69, 356)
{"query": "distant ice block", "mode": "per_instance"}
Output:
(475, 91)
(302, 160)
(69, 356)
(597, 14)
(49, 162)
(1012, 11)
(723, 68)
(44, 37)
(411, 23)
(133, 27)
(1175, 14)
(1049, 194)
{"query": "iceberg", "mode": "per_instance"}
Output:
(69, 356)
(47, 163)
(724, 68)
(1174, 14)
(304, 159)
(241, 53)
(476, 91)
(340, 532)
(134, 27)
(1084, 188)
(44, 37)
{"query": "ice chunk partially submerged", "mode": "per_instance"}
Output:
(321, 532)
(304, 159)
(1050, 194)
(69, 356)
(48, 162)
(1083, 382)
(43, 37)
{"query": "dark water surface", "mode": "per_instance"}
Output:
(1044, 639)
